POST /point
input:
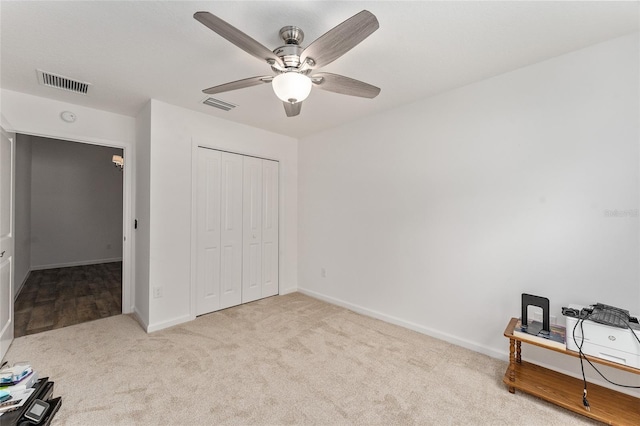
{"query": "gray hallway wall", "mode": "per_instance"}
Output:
(75, 204)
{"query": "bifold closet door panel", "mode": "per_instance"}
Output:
(252, 230)
(270, 218)
(208, 231)
(219, 231)
(231, 231)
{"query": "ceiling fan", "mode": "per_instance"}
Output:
(293, 64)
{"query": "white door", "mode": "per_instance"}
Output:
(7, 146)
(208, 231)
(219, 231)
(252, 229)
(270, 250)
(231, 231)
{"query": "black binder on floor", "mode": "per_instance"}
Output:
(43, 391)
(54, 406)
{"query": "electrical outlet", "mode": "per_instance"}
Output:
(323, 273)
(157, 292)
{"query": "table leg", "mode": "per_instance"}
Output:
(518, 351)
(512, 361)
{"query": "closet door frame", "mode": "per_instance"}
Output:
(195, 146)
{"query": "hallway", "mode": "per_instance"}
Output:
(55, 298)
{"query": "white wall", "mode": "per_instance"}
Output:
(22, 229)
(175, 133)
(439, 214)
(76, 204)
(34, 115)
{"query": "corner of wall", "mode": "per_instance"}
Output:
(141, 195)
(138, 317)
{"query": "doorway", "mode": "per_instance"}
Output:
(69, 233)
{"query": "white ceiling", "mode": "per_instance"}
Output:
(131, 51)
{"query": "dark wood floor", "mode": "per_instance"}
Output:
(55, 298)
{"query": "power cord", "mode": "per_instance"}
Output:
(582, 355)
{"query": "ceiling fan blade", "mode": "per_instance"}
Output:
(292, 109)
(237, 37)
(239, 84)
(344, 85)
(340, 39)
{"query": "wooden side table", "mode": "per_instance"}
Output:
(607, 405)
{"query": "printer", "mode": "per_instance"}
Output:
(610, 342)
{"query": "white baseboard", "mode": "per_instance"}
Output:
(408, 324)
(282, 292)
(170, 323)
(78, 263)
(503, 356)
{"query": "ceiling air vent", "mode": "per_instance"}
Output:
(60, 82)
(217, 103)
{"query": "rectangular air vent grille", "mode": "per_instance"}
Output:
(217, 103)
(64, 83)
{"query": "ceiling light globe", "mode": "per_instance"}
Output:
(292, 87)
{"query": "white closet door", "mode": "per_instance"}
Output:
(252, 229)
(208, 231)
(237, 230)
(231, 231)
(270, 250)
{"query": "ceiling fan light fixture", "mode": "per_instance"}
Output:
(292, 87)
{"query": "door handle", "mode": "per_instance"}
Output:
(2, 254)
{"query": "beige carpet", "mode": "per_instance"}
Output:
(282, 360)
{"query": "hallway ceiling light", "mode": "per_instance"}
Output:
(118, 161)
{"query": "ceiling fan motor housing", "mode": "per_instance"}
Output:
(291, 51)
(291, 34)
(290, 55)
